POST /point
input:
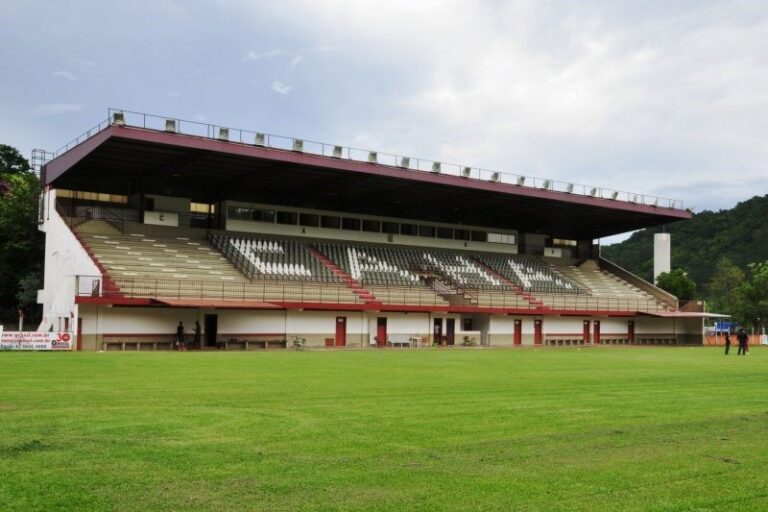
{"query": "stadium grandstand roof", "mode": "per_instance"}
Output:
(132, 152)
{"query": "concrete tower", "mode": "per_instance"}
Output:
(662, 254)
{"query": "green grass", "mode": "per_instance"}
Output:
(561, 429)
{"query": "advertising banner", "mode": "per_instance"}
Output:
(16, 340)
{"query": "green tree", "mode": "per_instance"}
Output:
(21, 243)
(677, 283)
(752, 308)
(723, 288)
(11, 161)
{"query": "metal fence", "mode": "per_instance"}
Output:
(316, 292)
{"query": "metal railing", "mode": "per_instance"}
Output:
(337, 152)
(269, 290)
(266, 291)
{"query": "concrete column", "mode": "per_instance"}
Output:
(662, 254)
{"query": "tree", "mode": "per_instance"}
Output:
(723, 288)
(677, 283)
(11, 161)
(752, 308)
(21, 243)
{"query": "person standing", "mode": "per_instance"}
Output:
(197, 338)
(727, 342)
(741, 336)
(180, 342)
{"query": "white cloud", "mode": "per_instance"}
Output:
(84, 63)
(651, 96)
(64, 74)
(268, 54)
(53, 109)
(281, 88)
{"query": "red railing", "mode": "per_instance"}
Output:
(324, 292)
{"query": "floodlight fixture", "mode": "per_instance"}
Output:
(405, 162)
(545, 185)
(521, 180)
(170, 125)
(373, 157)
(118, 119)
(260, 139)
(223, 133)
(569, 188)
(436, 167)
(298, 145)
(495, 177)
(614, 195)
(593, 191)
(466, 172)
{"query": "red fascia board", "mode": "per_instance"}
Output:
(113, 301)
(59, 165)
(321, 306)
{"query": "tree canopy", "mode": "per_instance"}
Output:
(677, 283)
(21, 243)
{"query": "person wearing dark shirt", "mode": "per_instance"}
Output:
(180, 342)
(743, 340)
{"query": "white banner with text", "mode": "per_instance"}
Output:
(23, 340)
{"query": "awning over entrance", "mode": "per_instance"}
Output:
(681, 314)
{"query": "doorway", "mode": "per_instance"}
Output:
(437, 330)
(518, 333)
(450, 330)
(585, 334)
(537, 330)
(381, 331)
(596, 332)
(631, 331)
(341, 331)
(211, 326)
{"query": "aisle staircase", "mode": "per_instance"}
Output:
(362, 293)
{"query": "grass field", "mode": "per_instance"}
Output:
(559, 429)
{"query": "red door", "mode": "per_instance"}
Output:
(518, 332)
(596, 332)
(537, 332)
(585, 335)
(341, 331)
(79, 334)
(381, 332)
(631, 331)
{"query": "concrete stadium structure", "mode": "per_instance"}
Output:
(150, 221)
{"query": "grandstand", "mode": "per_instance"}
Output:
(151, 221)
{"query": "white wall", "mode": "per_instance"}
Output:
(65, 258)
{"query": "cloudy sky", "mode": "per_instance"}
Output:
(659, 97)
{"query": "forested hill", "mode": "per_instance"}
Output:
(740, 233)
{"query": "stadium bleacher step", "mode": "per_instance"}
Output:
(356, 287)
(533, 301)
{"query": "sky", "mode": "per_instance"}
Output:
(667, 98)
